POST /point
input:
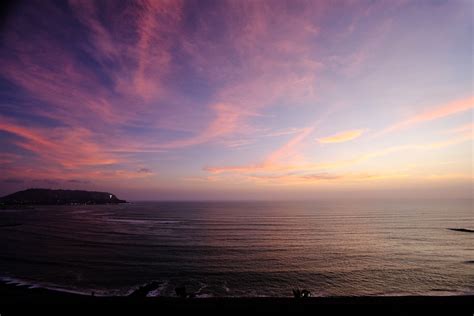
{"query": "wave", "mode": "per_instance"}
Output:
(56, 288)
(156, 291)
(83, 291)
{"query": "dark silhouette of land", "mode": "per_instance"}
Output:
(58, 197)
(18, 300)
(144, 290)
(297, 293)
(183, 293)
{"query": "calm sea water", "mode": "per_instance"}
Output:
(243, 248)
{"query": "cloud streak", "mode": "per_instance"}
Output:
(68, 148)
(278, 169)
(452, 108)
(342, 136)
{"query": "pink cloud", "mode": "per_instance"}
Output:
(141, 63)
(342, 136)
(69, 148)
(462, 129)
(289, 149)
(438, 112)
(228, 119)
(274, 160)
(273, 169)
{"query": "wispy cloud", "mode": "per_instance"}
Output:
(342, 136)
(287, 153)
(462, 129)
(66, 147)
(277, 169)
(144, 170)
(289, 149)
(438, 112)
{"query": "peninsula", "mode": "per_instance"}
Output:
(59, 197)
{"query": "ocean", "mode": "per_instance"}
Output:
(243, 249)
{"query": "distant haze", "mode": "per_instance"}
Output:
(238, 100)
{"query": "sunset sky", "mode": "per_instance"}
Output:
(238, 99)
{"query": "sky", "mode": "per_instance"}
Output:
(204, 100)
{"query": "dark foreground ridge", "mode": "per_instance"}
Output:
(16, 300)
(58, 197)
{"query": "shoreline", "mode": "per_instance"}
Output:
(15, 285)
(15, 298)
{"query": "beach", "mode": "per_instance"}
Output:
(17, 299)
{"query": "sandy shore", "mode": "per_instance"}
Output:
(15, 300)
